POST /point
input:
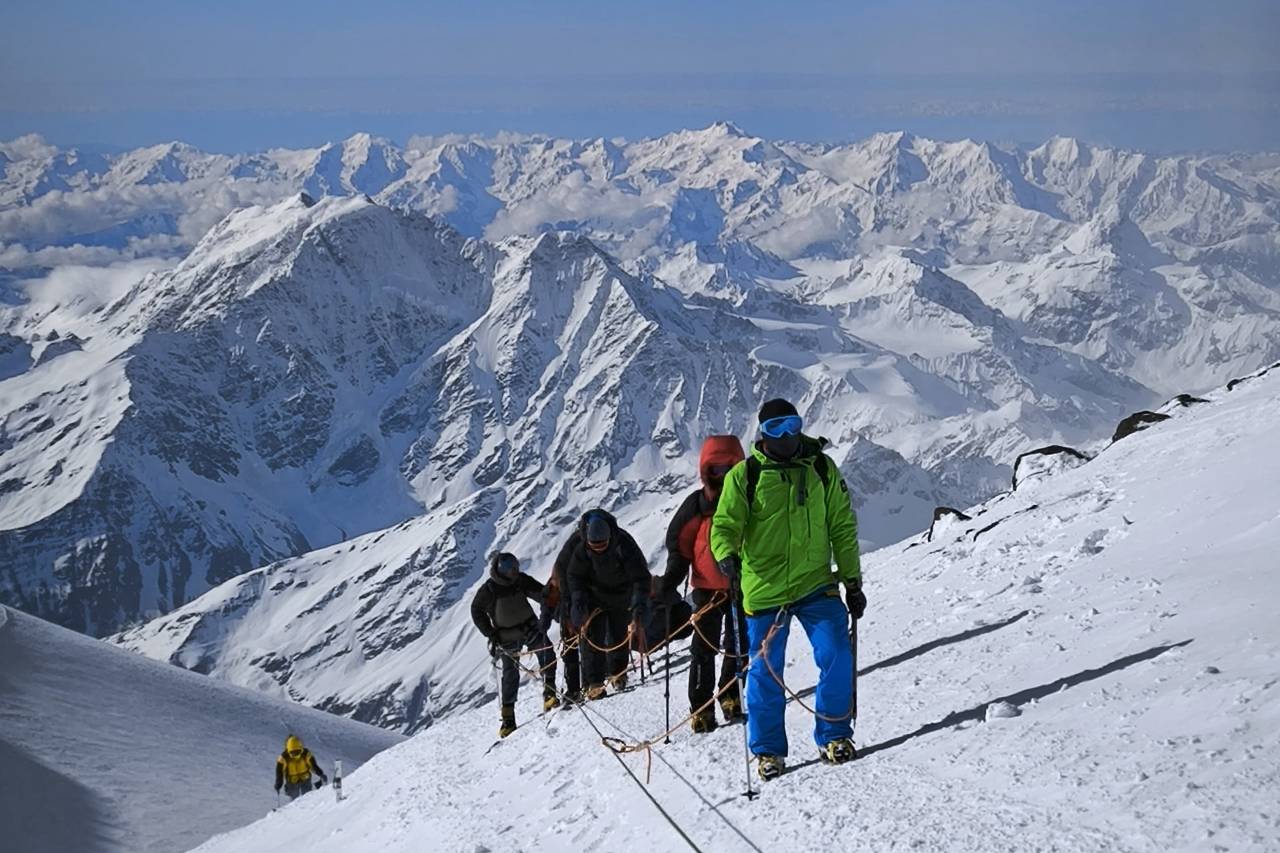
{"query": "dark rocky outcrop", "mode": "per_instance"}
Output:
(1231, 386)
(1046, 460)
(945, 516)
(1136, 422)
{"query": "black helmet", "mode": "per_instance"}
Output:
(504, 565)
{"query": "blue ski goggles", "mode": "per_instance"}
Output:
(785, 425)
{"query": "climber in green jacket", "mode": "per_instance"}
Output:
(784, 516)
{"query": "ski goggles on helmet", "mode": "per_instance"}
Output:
(785, 425)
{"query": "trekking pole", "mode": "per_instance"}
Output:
(742, 689)
(666, 669)
(853, 648)
(639, 634)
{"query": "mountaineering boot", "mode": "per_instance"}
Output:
(618, 682)
(574, 698)
(839, 751)
(508, 720)
(703, 722)
(549, 698)
(732, 709)
(770, 766)
(596, 691)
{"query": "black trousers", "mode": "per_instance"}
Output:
(296, 789)
(716, 625)
(572, 669)
(607, 629)
(533, 638)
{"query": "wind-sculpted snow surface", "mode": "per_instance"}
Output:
(1084, 665)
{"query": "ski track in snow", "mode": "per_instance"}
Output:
(1124, 622)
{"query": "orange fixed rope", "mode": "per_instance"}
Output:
(621, 747)
(582, 632)
(697, 626)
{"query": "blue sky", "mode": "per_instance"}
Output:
(236, 75)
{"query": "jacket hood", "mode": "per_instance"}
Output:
(494, 575)
(293, 742)
(719, 450)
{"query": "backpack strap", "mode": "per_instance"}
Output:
(753, 480)
(820, 465)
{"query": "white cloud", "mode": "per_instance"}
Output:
(84, 287)
(576, 199)
(795, 234)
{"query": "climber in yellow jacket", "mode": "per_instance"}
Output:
(294, 767)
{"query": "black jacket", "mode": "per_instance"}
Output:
(612, 579)
(501, 608)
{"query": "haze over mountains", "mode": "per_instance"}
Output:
(395, 359)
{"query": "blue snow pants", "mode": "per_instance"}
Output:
(825, 620)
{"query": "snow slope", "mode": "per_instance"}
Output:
(104, 751)
(1089, 664)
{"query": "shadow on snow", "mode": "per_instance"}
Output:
(978, 712)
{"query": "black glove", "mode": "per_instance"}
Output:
(277, 789)
(578, 612)
(319, 784)
(731, 567)
(855, 599)
(494, 648)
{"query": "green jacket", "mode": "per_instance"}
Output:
(787, 545)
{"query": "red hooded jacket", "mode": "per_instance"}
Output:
(689, 534)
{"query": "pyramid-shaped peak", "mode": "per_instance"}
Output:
(724, 128)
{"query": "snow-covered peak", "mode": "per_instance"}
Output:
(1061, 152)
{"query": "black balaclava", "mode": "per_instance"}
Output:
(779, 448)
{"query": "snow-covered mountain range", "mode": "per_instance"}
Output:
(1085, 664)
(105, 751)
(341, 400)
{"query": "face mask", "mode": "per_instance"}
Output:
(782, 448)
